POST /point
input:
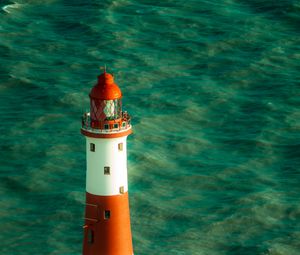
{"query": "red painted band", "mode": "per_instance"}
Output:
(107, 221)
(108, 135)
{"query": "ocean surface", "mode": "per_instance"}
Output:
(213, 90)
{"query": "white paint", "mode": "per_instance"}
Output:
(106, 154)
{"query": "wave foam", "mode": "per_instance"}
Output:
(10, 7)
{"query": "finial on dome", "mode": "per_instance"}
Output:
(103, 68)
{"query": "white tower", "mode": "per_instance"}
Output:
(106, 127)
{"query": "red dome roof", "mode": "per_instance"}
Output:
(106, 89)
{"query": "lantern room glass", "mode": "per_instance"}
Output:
(106, 109)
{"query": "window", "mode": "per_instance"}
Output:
(123, 124)
(116, 125)
(112, 109)
(109, 109)
(106, 214)
(107, 170)
(120, 146)
(92, 147)
(90, 236)
(106, 126)
(122, 190)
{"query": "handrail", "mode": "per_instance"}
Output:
(86, 124)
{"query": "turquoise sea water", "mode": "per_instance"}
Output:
(213, 89)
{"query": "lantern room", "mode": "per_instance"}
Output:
(106, 106)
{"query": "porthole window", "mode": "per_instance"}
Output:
(122, 190)
(123, 124)
(92, 147)
(106, 214)
(120, 146)
(107, 170)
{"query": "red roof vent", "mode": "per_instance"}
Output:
(106, 89)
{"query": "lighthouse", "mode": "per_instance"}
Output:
(106, 127)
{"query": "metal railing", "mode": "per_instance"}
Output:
(123, 125)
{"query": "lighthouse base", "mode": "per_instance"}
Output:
(107, 225)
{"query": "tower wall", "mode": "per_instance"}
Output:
(106, 166)
(107, 236)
